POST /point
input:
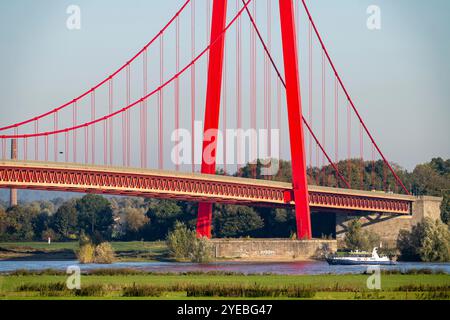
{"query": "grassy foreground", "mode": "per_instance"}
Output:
(223, 286)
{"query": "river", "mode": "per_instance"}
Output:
(286, 268)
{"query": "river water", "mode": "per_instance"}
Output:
(287, 268)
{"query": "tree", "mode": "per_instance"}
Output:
(19, 223)
(41, 224)
(162, 215)
(236, 221)
(184, 244)
(3, 224)
(445, 208)
(95, 217)
(427, 241)
(65, 220)
(133, 222)
(180, 241)
(358, 239)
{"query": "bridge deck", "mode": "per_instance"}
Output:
(189, 187)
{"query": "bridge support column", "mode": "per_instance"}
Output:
(13, 192)
(291, 67)
(212, 111)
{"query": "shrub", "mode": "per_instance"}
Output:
(184, 244)
(248, 291)
(427, 241)
(93, 290)
(358, 239)
(86, 253)
(201, 251)
(180, 241)
(42, 287)
(142, 291)
(49, 233)
(104, 253)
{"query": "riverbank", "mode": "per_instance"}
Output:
(224, 286)
(136, 251)
(245, 250)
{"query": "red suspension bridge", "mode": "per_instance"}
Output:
(134, 119)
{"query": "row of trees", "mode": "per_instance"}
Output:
(90, 215)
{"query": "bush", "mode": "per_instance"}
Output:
(358, 239)
(184, 244)
(248, 291)
(49, 233)
(201, 251)
(86, 253)
(142, 291)
(181, 241)
(428, 241)
(93, 290)
(104, 253)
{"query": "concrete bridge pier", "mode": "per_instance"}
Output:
(388, 226)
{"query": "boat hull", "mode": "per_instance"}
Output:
(355, 262)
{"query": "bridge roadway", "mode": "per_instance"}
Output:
(196, 187)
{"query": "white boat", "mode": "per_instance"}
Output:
(360, 258)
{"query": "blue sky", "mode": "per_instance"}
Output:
(399, 76)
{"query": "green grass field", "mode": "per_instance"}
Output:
(324, 286)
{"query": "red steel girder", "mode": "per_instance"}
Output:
(193, 187)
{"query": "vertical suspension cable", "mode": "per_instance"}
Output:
(253, 80)
(55, 136)
(224, 110)
(3, 149)
(36, 140)
(336, 121)
(238, 85)
(349, 143)
(86, 144)
(74, 123)
(110, 123)
(177, 92)
(143, 118)
(317, 164)
(25, 149)
(105, 142)
(208, 26)
(127, 116)
(46, 148)
(361, 151)
(161, 105)
(161, 102)
(373, 167)
(336, 127)
(310, 84)
(66, 146)
(323, 110)
(193, 87)
(124, 139)
(93, 127)
(279, 115)
(266, 67)
(269, 78)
